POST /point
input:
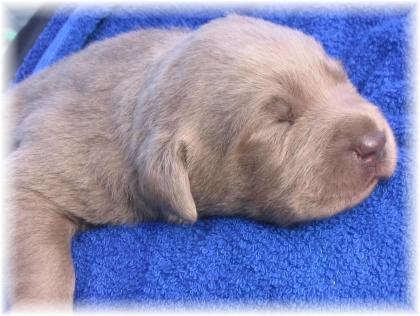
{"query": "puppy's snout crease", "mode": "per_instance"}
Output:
(371, 147)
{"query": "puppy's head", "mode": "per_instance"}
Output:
(267, 124)
(315, 154)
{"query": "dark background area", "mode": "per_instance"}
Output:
(22, 30)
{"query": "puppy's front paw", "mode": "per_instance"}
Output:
(171, 218)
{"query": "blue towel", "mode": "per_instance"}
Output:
(359, 258)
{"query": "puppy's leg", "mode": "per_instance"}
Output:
(41, 270)
(41, 265)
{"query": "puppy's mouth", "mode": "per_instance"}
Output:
(377, 171)
(361, 195)
(370, 185)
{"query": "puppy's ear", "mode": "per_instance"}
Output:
(164, 179)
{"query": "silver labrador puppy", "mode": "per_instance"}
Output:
(241, 116)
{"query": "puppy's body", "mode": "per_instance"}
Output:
(75, 119)
(176, 124)
(71, 162)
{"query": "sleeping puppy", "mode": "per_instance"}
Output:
(241, 116)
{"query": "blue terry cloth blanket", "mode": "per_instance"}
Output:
(359, 258)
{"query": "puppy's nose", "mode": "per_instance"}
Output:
(371, 147)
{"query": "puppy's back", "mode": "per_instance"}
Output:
(102, 71)
(69, 122)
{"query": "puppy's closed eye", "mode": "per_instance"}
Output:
(280, 109)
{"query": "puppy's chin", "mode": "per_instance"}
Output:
(357, 197)
(378, 173)
(337, 201)
(351, 198)
(342, 201)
